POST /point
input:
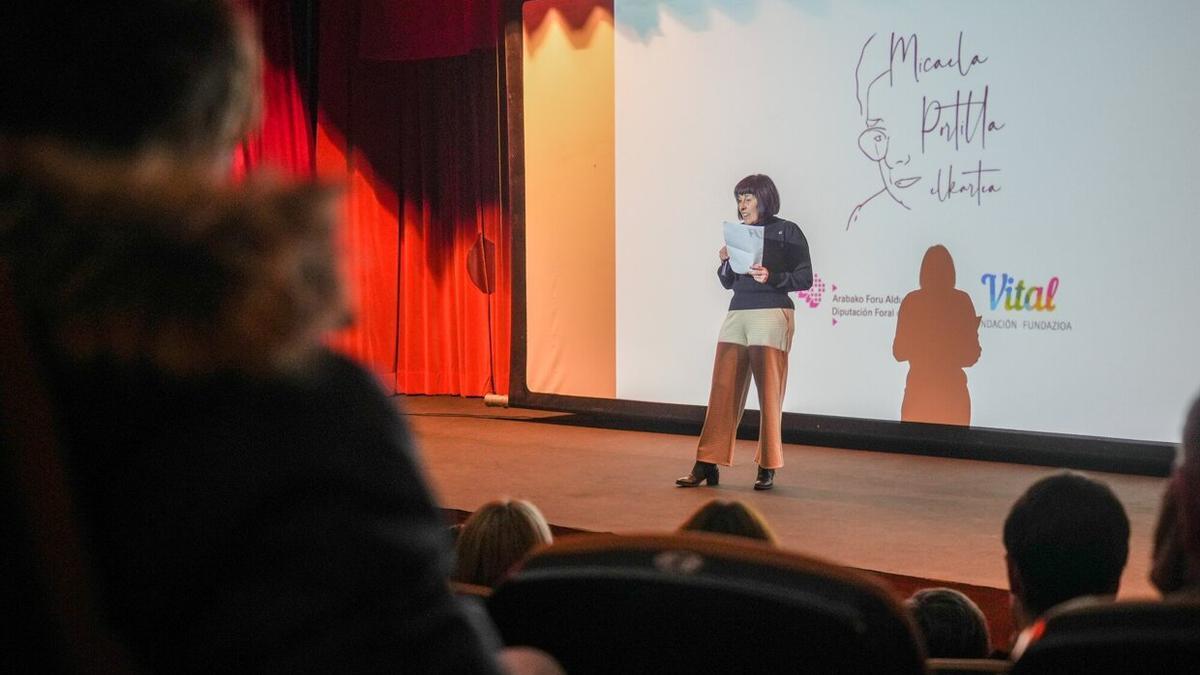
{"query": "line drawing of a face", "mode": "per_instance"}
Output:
(886, 150)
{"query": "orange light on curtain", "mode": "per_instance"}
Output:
(284, 139)
(418, 144)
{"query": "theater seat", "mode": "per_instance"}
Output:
(700, 603)
(1143, 638)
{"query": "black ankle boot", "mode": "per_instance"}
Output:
(766, 479)
(701, 472)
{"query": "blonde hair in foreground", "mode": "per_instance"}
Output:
(497, 536)
(730, 517)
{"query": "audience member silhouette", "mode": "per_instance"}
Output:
(496, 537)
(1175, 566)
(249, 500)
(1065, 538)
(951, 624)
(937, 333)
(730, 517)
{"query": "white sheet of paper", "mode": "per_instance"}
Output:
(745, 246)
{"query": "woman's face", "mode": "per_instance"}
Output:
(748, 208)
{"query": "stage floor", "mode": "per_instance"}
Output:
(933, 518)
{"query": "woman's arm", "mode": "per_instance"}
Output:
(725, 273)
(968, 348)
(902, 347)
(795, 250)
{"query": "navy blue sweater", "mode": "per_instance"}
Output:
(785, 255)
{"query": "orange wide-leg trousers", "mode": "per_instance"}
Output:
(734, 366)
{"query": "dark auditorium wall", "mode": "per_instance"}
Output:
(400, 102)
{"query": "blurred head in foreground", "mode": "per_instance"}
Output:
(496, 537)
(952, 624)
(1066, 537)
(1176, 559)
(730, 517)
(176, 79)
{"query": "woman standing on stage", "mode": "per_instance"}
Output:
(755, 338)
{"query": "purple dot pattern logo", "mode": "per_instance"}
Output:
(812, 297)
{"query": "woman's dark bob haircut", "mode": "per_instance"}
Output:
(763, 189)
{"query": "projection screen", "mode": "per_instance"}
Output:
(1046, 148)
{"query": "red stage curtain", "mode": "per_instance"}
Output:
(455, 242)
(284, 140)
(426, 246)
(425, 235)
(401, 30)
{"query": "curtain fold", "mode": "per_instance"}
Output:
(402, 30)
(426, 242)
(284, 140)
(454, 334)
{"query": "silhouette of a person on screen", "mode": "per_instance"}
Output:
(891, 154)
(937, 333)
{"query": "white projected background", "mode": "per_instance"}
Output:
(1067, 164)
